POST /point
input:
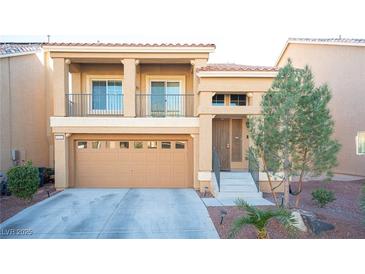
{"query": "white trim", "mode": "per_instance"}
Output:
(259, 74)
(357, 143)
(204, 175)
(168, 122)
(131, 49)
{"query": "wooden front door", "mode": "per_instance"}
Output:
(221, 142)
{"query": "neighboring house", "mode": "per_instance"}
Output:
(23, 117)
(341, 64)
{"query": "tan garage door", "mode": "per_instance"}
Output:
(101, 163)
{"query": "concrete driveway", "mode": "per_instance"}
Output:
(114, 213)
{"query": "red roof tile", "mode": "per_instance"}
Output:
(128, 45)
(236, 67)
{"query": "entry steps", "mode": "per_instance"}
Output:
(238, 184)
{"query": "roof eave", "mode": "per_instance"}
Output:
(113, 49)
(237, 74)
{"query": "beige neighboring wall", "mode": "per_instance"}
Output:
(23, 119)
(343, 68)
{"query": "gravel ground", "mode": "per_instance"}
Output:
(10, 205)
(344, 213)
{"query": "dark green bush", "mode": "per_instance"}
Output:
(322, 196)
(23, 181)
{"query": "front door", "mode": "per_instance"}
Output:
(221, 142)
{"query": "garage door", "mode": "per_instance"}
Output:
(129, 163)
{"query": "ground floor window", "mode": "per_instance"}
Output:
(360, 143)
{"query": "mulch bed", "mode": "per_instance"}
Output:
(10, 205)
(344, 213)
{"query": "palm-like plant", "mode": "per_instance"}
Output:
(260, 218)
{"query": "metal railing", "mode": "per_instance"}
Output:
(217, 168)
(86, 104)
(164, 105)
(254, 168)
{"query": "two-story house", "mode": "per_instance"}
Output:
(144, 115)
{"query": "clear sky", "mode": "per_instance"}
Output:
(246, 32)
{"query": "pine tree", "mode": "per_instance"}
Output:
(293, 135)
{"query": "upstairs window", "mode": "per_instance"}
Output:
(360, 143)
(107, 95)
(218, 100)
(237, 100)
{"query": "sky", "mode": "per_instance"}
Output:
(245, 32)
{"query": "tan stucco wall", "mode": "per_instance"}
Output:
(142, 71)
(23, 119)
(241, 84)
(343, 68)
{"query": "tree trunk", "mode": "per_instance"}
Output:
(262, 234)
(300, 183)
(300, 186)
(272, 189)
(270, 183)
(286, 188)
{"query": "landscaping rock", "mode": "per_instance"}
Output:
(299, 221)
(316, 226)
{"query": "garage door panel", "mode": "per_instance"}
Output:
(111, 164)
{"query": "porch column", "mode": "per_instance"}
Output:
(197, 63)
(61, 160)
(76, 78)
(129, 87)
(60, 86)
(196, 159)
(205, 151)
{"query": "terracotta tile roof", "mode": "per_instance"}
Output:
(18, 48)
(236, 67)
(329, 40)
(128, 45)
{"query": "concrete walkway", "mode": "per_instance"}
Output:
(114, 213)
(231, 202)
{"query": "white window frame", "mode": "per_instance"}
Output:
(357, 143)
(90, 80)
(164, 78)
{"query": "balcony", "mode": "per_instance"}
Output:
(112, 104)
(165, 105)
(85, 104)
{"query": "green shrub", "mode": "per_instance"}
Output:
(23, 181)
(322, 196)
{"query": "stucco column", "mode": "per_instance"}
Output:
(129, 87)
(197, 63)
(60, 86)
(205, 150)
(61, 160)
(75, 78)
(196, 159)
